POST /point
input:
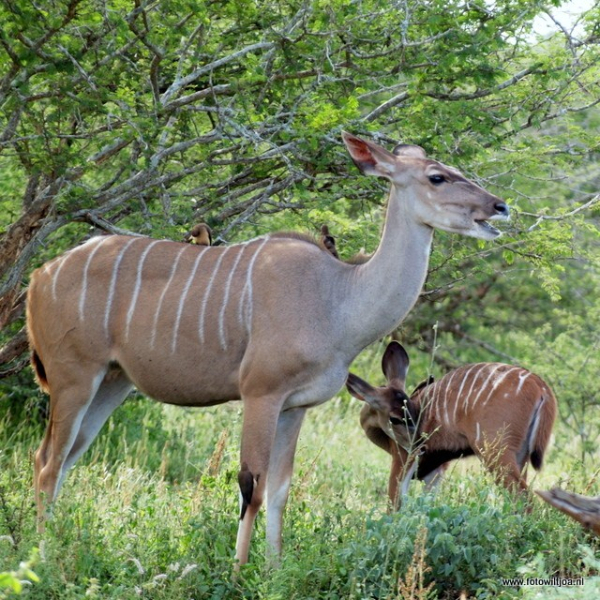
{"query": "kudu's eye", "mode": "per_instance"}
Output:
(395, 421)
(437, 179)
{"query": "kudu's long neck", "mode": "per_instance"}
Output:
(385, 288)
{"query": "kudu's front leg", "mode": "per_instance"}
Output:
(258, 436)
(401, 473)
(280, 478)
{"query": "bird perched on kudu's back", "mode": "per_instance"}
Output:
(328, 240)
(199, 234)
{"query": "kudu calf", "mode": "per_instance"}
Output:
(275, 321)
(502, 413)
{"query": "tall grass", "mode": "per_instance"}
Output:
(151, 512)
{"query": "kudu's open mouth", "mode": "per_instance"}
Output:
(502, 214)
(488, 229)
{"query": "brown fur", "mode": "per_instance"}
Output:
(200, 234)
(501, 413)
(328, 241)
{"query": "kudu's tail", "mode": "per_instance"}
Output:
(40, 372)
(540, 428)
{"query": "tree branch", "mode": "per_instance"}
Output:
(180, 83)
(540, 218)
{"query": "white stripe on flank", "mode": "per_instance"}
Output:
(241, 305)
(522, 380)
(481, 369)
(113, 283)
(186, 289)
(497, 383)
(61, 260)
(247, 291)
(222, 340)
(207, 294)
(459, 399)
(446, 396)
(138, 285)
(163, 294)
(83, 293)
(492, 374)
(61, 264)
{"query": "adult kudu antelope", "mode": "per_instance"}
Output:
(274, 321)
(502, 413)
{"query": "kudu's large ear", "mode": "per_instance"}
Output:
(360, 389)
(370, 158)
(394, 364)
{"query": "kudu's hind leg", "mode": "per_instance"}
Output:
(499, 457)
(68, 406)
(508, 473)
(501, 462)
(110, 395)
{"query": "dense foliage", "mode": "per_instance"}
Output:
(148, 116)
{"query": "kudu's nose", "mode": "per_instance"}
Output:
(502, 209)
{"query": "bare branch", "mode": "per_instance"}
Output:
(215, 90)
(95, 219)
(487, 92)
(109, 151)
(180, 83)
(382, 108)
(540, 218)
(85, 76)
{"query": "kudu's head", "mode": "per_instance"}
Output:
(434, 194)
(398, 415)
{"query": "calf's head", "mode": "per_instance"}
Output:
(397, 414)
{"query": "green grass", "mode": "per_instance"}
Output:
(151, 512)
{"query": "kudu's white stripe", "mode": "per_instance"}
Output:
(207, 291)
(183, 296)
(498, 382)
(61, 262)
(481, 369)
(522, 378)
(222, 340)
(428, 398)
(483, 386)
(163, 294)
(247, 291)
(113, 283)
(441, 398)
(63, 259)
(138, 285)
(84, 277)
(462, 385)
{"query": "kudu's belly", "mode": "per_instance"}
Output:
(190, 377)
